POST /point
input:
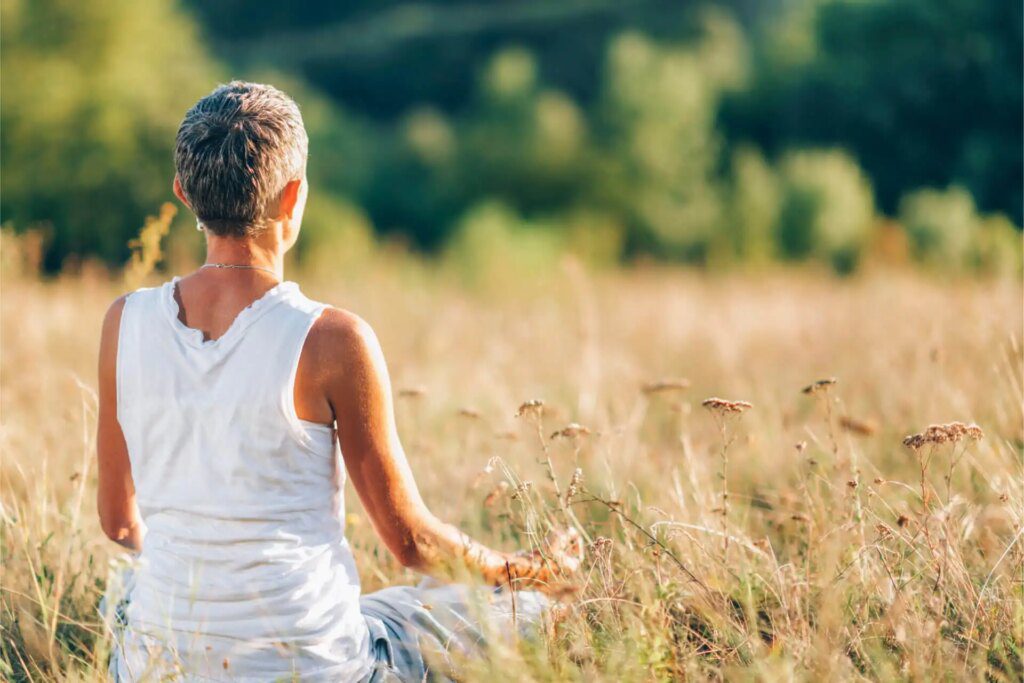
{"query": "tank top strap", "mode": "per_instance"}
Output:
(274, 348)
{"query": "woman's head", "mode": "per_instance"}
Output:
(240, 159)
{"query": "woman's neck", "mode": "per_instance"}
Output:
(256, 251)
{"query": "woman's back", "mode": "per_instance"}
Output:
(245, 570)
(233, 503)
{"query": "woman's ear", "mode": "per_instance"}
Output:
(290, 196)
(179, 192)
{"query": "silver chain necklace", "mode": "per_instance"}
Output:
(240, 267)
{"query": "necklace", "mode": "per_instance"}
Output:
(239, 266)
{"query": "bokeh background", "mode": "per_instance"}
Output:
(495, 134)
(620, 208)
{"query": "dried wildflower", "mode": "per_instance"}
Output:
(851, 484)
(957, 431)
(801, 447)
(820, 385)
(412, 392)
(666, 385)
(574, 485)
(470, 413)
(800, 518)
(883, 531)
(938, 434)
(879, 481)
(571, 431)
(521, 490)
(534, 406)
(859, 427)
(722, 406)
(902, 521)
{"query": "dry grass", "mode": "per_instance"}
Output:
(795, 539)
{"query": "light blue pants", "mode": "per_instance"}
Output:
(417, 633)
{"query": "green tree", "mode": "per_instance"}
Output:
(827, 207)
(658, 143)
(924, 93)
(92, 96)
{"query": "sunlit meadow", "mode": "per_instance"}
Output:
(794, 538)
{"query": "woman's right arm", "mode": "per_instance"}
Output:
(357, 386)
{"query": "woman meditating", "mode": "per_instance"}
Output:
(225, 398)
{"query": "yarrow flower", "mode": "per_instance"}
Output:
(938, 434)
(535, 406)
(721, 405)
(571, 431)
(820, 385)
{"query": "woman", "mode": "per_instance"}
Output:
(224, 398)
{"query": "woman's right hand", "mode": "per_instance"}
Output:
(551, 569)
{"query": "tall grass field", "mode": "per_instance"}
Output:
(779, 475)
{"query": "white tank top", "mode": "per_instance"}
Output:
(245, 572)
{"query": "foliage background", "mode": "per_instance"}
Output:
(479, 171)
(714, 133)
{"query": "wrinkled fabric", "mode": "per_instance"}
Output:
(245, 572)
(416, 633)
(422, 632)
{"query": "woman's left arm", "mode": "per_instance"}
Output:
(115, 497)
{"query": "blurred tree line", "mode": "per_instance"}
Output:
(735, 131)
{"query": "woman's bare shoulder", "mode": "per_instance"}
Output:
(341, 340)
(112, 318)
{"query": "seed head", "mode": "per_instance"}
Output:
(574, 484)
(939, 434)
(571, 431)
(522, 489)
(820, 385)
(533, 406)
(722, 406)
